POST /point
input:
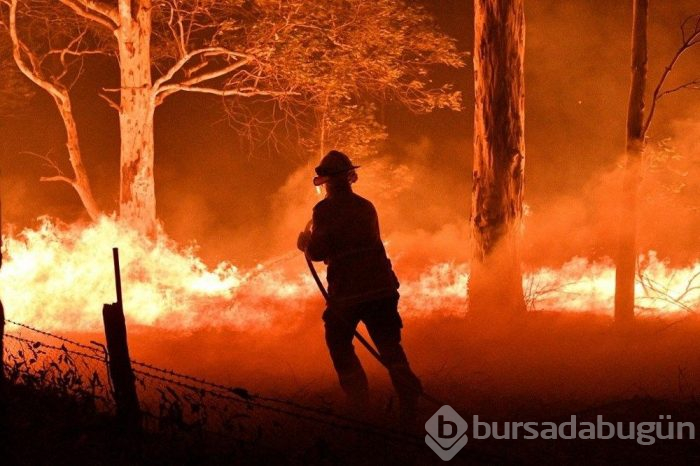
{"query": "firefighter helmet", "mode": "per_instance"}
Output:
(333, 164)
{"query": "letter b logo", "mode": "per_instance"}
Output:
(446, 433)
(446, 429)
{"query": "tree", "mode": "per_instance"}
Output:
(495, 282)
(370, 54)
(626, 258)
(347, 125)
(637, 128)
(231, 49)
(63, 58)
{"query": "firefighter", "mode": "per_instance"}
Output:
(361, 284)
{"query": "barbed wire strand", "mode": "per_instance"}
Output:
(242, 394)
(247, 395)
(351, 424)
(52, 335)
(58, 348)
(389, 435)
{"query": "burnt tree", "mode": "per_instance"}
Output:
(626, 256)
(495, 283)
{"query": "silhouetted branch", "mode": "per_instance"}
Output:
(690, 38)
(49, 162)
(694, 84)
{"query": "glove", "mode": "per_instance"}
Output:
(303, 240)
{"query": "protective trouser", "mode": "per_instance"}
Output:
(384, 325)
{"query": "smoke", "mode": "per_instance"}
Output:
(422, 206)
(586, 223)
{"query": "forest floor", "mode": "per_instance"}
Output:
(546, 367)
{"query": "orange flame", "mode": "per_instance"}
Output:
(58, 277)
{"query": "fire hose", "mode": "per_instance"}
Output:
(363, 341)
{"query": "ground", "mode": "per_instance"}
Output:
(544, 367)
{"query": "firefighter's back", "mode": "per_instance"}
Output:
(358, 267)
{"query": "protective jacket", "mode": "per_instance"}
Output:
(346, 237)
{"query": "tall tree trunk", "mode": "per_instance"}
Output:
(137, 202)
(627, 251)
(495, 283)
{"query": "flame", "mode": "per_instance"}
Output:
(58, 277)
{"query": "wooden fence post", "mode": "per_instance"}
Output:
(123, 380)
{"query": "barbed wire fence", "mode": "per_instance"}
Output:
(50, 362)
(170, 401)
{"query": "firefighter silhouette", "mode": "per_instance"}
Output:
(362, 286)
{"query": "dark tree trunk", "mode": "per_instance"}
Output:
(495, 284)
(626, 263)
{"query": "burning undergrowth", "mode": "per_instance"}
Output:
(58, 276)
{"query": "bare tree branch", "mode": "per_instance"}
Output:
(57, 178)
(244, 92)
(49, 162)
(215, 73)
(94, 11)
(689, 39)
(694, 85)
(109, 101)
(207, 52)
(30, 70)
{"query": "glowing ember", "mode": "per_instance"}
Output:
(58, 277)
